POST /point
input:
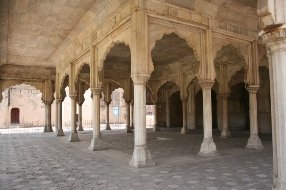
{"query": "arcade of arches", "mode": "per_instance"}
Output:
(201, 64)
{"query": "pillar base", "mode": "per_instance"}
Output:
(278, 184)
(141, 157)
(155, 128)
(225, 133)
(184, 130)
(254, 142)
(97, 144)
(73, 137)
(48, 129)
(208, 148)
(129, 130)
(108, 127)
(60, 132)
(80, 129)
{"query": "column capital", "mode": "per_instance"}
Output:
(48, 103)
(140, 78)
(184, 99)
(253, 89)
(73, 96)
(96, 91)
(59, 100)
(107, 102)
(224, 95)
(206, 84)
(273, 34)
(80, 103)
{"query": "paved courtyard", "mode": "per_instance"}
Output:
(43, 161)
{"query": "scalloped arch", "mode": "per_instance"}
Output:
(9, 83)
(105, 49)
(158, 32)
(77, 72)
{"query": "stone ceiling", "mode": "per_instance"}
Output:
(34, 28)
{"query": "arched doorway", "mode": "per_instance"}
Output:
(15, 116)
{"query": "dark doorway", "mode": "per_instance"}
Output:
(15, 116)
(238, 108)
(176, 115)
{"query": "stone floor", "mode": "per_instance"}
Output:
(43, 161)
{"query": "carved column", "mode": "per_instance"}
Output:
(184, 129)
(168, 124)
(208, 146)
(254, 141)
(132, 114)
(128, 127)
(107, 116)
(141, 156)
(96, 142)
(225, 129)
(155, 127)
(73, 136)
(192, 104)
(59, 131)
(80, 128)
(48, 117)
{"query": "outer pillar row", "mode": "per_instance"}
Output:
(254, 141)
(155, 127)
(208, 146)
(128, 125)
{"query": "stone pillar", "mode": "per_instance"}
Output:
(96, 142)
(141, 156)
(107, 116)
(277, 68)
(192, 104)
(132, 115)
(155, 127)
(128, 126)
(73, 136)
(59, 131)
(80, 128)
(208, 146)
(168, 123)
(184, 129)
(254, 141)
(225, 129)
(48, 117)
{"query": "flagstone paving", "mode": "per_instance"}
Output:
(44, 161)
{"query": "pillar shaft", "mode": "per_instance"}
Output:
(208, 146)
(132, 115)
(277, 69)
(128, 126)
(96, 142)
(48, 117)
(107, 116)
(59, 119)
(155, 127)
(80, 127)
(184, 129)
(254, 141)
(140, 154)
(225, 129)
(73, 135)
(168, 123)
